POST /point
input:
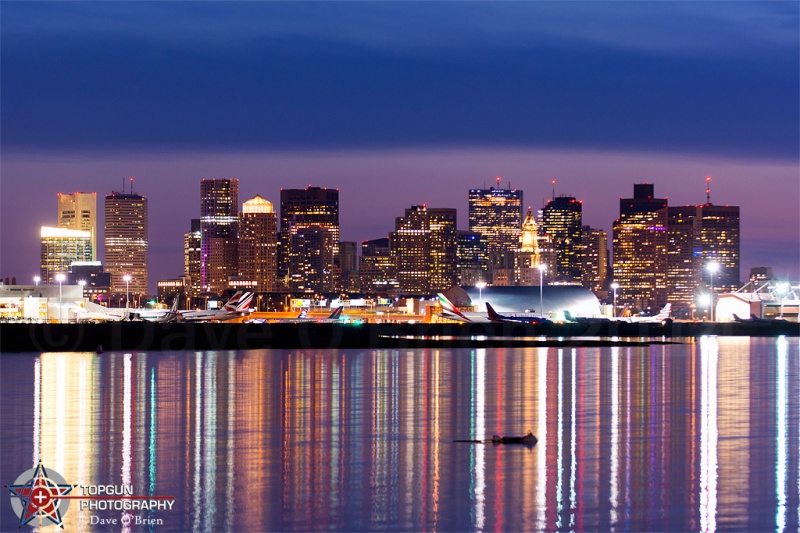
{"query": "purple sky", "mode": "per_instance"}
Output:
(398, 104)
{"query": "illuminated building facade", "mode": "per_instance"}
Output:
(219, 228)
(348, 262)
(684, 253)
(78, 210)
(640, 249)
(425, 247)
(529, 255)
(719, 238)
(376, 267)
(311, 260)
(562, 220)
(191, 258)
(473, 258)
(301, 210)
(126, 241)
(496, 214)
(258, 243)
(698, 236)
(594, 258)
(60, 248)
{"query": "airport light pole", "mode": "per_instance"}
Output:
(480, 285)
(127, 279)
(60, 278)
(614, 287)
(542, 268)
(712, 268)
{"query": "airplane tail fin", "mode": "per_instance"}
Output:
(231, 304)
(244, 302)
(569, 316)
(665, 311)
(493, 316)
(302, 314)
(448, 305)
(174, 308)
(336, 313)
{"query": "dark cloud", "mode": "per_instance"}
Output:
(120, 77)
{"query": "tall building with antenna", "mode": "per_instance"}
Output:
(562, 220)
(496, 214)
(126, 243)
(700, 235)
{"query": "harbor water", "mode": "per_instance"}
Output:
(693, 434)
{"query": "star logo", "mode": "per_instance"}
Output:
(38, 494)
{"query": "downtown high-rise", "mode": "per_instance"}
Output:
(562, 220)
(126, 243)
(258, 243)
(425, 249)
(219, 230)
(496, 214)
(309, 240)
(78, 211)
(640, 249)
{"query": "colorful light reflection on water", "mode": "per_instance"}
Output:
(696, 436)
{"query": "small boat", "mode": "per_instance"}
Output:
(528, 438)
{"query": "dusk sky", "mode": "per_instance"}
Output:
(399, 104)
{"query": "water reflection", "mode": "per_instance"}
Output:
(700, 436)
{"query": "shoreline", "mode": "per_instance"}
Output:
(239, 336)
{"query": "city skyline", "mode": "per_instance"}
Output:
(398, 105)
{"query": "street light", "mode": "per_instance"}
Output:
(60, 278)
(127, 279)
(36, 280)
(712, 268)
(614, 286)
(480, 285)
(542, 268)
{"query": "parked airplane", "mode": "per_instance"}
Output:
(585, 320)
(303, 317)
(755, 320)
(660, 318)
(522, 319)
(237, 306)
(173, 315)
(451, 312)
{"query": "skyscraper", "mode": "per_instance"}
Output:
(473, 258)
(126, 241)
(700, 235)
(594, 258)
(640, 249)
(302, 209)
(219, 228)
(191, 258)
(376, 267)
(562, 219)
(60, 248)
(425, 247)
(496, 214)
(258, 243)
(78, 210)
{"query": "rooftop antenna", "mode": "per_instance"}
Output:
(123, 184)
(131, 184)
(498, 181)
(708, 190)
(554, 190)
